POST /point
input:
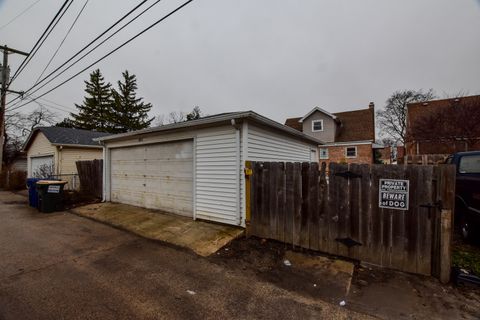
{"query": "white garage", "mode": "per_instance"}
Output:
(196, 168)
(158, 176)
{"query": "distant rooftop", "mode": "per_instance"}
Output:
(67, 136)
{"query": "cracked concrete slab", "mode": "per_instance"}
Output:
(201, 237)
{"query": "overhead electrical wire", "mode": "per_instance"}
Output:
(87, 46)
(63, 40)
(45, 32)
(19, 15)
(109, 53)
(91, 50)
(32, 54)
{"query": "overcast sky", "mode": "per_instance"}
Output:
(279, 58)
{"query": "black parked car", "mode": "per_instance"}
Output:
(467, 192)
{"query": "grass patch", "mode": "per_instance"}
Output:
(468, 258)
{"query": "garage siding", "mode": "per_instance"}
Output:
(69, 156)
(261, 145)
(265, 145)
(217, 177)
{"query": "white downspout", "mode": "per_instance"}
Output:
(104, 172)
(238, 165)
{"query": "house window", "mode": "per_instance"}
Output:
(323, 153)
(351, 152)
(317, 125)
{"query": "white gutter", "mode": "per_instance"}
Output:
(77, 145)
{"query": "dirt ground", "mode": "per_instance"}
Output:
(266, 260)
(391, 294)
(382, 293)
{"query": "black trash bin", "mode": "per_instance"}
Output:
(50, 195)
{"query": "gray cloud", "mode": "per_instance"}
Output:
(277, 57)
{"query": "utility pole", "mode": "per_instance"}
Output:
(3, 102)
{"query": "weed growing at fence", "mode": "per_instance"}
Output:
(467, 257)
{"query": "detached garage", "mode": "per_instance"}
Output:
(53, 151)
(195, 168)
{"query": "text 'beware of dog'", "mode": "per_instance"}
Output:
(393, 194)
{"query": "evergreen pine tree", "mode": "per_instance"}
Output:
(96, 111)
(129, 112)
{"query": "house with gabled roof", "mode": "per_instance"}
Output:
(54, 150)
(349, 136)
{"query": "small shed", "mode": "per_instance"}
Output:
(196, 168)
(54, 151)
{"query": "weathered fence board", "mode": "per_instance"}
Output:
(90, 174)
(338, 213)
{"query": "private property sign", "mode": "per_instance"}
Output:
(393, 194)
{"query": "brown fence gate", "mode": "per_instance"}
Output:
(91, 177)
(339, 212)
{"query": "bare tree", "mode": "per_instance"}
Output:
(179, 116)
(393, 120)
(458, 121)
(19, 125)
(176, 116)
(22, 124)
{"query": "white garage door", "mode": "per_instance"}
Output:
(41, 167)
(157, 176)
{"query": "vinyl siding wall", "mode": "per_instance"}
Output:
(217, 176)
(40, 147)
(68, 157)
(259, 144)
(266, 145)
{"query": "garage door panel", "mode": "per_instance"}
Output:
(40, 165)
(157, 176)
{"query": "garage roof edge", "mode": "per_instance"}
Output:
(214, 119)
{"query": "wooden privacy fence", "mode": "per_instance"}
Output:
(338, 213)
(91, 177)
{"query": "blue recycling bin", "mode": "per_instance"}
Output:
(32, 192)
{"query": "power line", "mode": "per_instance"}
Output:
(63, 40)
(19, 15)
(30, 57)
(57, 104)
(38, 41)
(45, 105)
(111, 52)
(87, 46)
(90, 51)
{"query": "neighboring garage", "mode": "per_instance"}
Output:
(53, 151)
(195, 168)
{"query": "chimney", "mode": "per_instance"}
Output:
(371, 105)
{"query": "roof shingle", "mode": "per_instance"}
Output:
(67, 136)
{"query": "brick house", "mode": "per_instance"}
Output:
(443, 126)
(349, 136)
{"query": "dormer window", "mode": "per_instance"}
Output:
(317, 125)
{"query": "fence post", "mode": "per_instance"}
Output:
(248, 190)
(445, 245)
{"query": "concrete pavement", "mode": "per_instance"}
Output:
(202, 237)
(61, 266)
